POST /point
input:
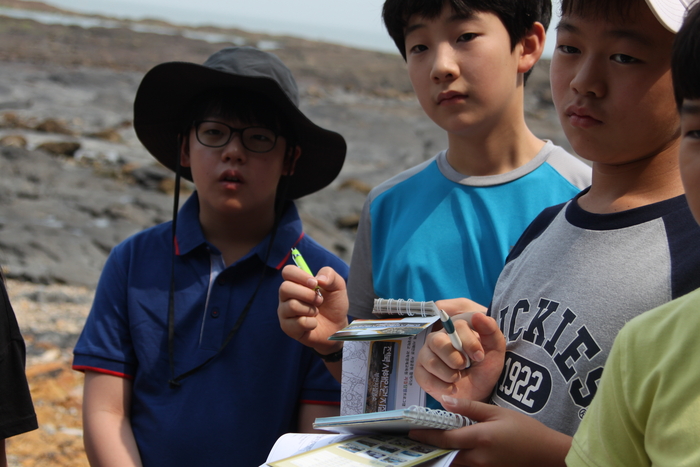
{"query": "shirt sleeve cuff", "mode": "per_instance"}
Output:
(103, 365)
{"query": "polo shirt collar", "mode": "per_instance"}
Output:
(289, 234)
(189, 234)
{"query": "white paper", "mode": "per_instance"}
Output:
(291, 444)
(295, 443)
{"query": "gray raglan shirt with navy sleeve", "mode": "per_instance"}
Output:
(569, 285)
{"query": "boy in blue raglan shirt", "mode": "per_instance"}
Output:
(444, 228)
(184, 360)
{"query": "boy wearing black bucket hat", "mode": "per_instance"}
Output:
(184, 360)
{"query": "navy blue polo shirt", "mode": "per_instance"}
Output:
(233, 410)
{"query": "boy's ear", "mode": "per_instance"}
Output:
(531, 47)
(185, 151)
(292, 161)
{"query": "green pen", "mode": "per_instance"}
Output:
(301, 264)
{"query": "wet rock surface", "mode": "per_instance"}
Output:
(77, 181)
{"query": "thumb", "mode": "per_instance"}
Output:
(490, 334)
(330, 280)
(474, 410)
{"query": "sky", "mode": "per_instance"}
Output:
(350, 22)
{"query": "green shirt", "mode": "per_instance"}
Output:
(647, 408)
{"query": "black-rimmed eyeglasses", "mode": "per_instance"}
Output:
(216, 135)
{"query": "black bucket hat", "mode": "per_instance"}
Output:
(168, 88)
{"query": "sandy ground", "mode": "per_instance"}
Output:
(57, 390)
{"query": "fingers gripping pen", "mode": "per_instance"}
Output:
(454, 338)
(301, 264)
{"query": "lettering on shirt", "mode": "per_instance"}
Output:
(528, 385)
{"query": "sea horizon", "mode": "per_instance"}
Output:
(368, 35)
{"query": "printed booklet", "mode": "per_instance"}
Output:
(384, 441)
(379, 357)
(316, 450)
(395, 319)
(380, 399)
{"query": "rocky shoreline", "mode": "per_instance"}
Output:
(76, 181)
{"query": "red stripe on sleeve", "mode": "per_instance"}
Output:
(321, 402)
(84, 368)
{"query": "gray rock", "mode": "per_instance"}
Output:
(17, 141)
(59, 220)
(60, 217)
(60, 148)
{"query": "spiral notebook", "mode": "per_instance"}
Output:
(396, 318)
(398, 421)
(401, 307)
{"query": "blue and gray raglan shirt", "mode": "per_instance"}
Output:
(432, 233)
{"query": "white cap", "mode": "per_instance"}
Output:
(670, 13)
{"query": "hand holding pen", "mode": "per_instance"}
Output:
(306, 316)
(442, 368)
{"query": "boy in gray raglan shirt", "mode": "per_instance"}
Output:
(582, 269)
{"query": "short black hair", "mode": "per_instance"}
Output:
(518, 16)
(685, 58)
(601, 9)
(237, 104)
